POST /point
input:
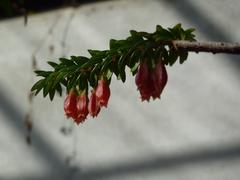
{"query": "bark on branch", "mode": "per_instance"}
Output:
(213, 47)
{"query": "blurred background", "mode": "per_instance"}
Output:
(192, 133)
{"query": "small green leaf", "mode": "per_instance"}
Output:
(122, 75)
(79, 60)
(189, 34)
(135, 56)
(91, 62)
(133, 33)
(49, 84)
(52, 64)
(38, 85)
(172, 58)
(51, 94)
(97, 54)
(43, 73)
(59, 77)
(66, 61)
(177, 32)
(183, 56)
(59, 89)
(165, 56)
(106, 63)
(109, 74)
(122, 62)
(162, 34)
(135, 68)
(112, 43)
(93, 77)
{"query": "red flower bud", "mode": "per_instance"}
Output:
(70, 105)
(82, 108)
(159, 79)
(143, 82)
(93, 105)
(103, 92)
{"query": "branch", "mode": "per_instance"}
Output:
(145, 54)
(213, 47)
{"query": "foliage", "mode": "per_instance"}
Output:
(80, 72)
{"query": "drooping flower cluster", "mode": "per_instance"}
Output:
(77, 105)
(151, 81)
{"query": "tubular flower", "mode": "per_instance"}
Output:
(102, 92)
(151, 83)
(82, 108)
(93, 105)
(142, 81)
(159, 79)
(70, 105)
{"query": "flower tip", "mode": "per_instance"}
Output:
(79, 120)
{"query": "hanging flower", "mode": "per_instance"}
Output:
(159, 79)
(93, 105)
(70, 104)
(102, 92)
(82, 108)
(142, 81)
(151, 82)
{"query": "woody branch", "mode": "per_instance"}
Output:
(212, 47)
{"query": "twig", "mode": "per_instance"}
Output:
(213, 47)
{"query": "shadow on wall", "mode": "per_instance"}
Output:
(15, 118)
(151, 164)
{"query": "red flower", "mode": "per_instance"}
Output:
(93, 105)
(159, 79)
(151, 83)
(102, 92)
(70, 105)
(82, 108)
(143, 82)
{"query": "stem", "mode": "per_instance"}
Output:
(213, 47)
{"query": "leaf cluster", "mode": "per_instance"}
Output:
(80, 72)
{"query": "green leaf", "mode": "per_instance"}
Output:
(81, 80)
(66, 61)
(177, 32)
(59, 89)
(106, 63)
(109, 74)
(122, 75)
(48, 84)
(59, 77)
(52, 64)
(172, 58)
(133, 33)
(116, 44)
(183, 56)
(135, 68)
(51, 94)
(38, 90)
(93, 77)
(43, 73)
(91, 62)
(79, 60)
(162, 34)
(112, 43)
(122, 62)
(165, 56)
(72, 82)
(97, 54)
(38, 85)
(189, 34)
